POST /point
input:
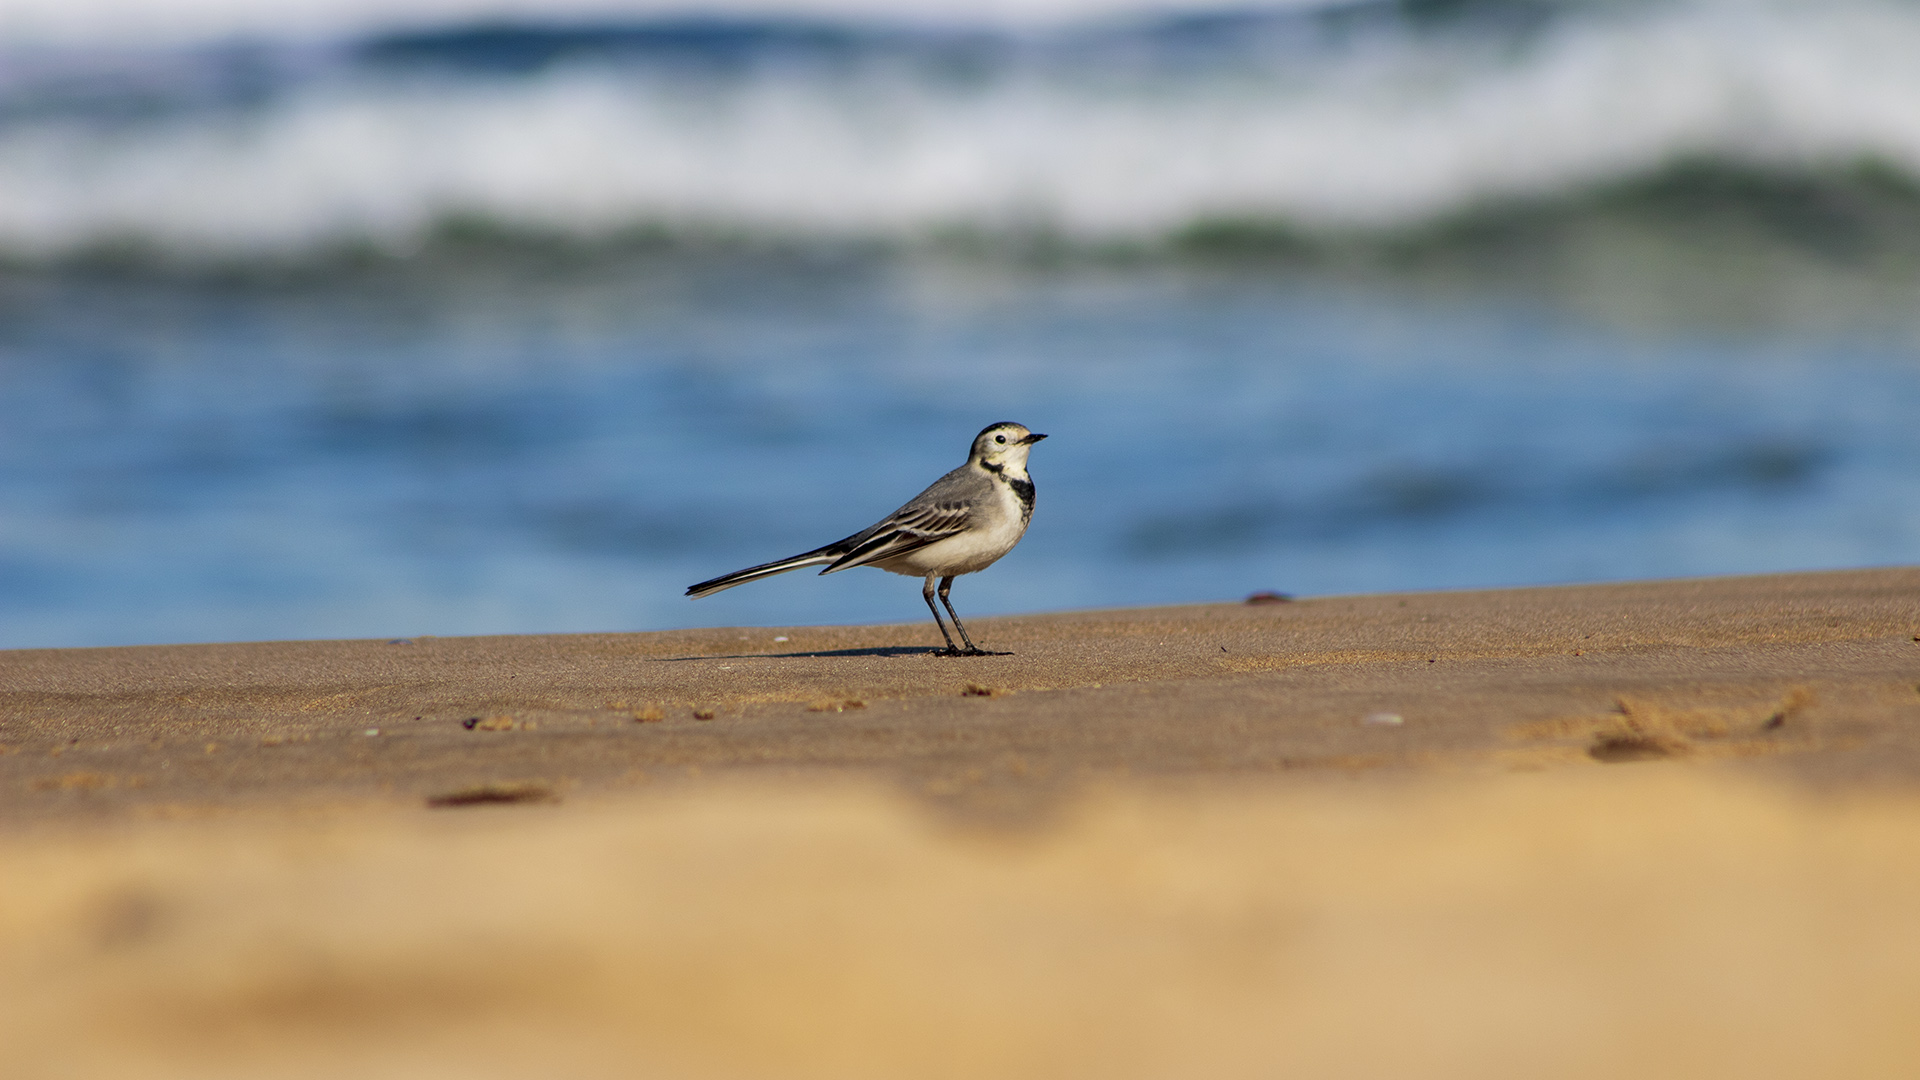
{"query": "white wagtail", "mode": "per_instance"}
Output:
(963, 523)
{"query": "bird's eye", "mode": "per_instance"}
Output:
(999, 438)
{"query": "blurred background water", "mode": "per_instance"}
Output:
(336, 319)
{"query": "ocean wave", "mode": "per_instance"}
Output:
(147, 22)
(1240, 135)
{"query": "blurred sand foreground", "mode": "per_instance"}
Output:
(1652, 924)
(1692, 849)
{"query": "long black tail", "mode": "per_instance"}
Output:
(816, 557)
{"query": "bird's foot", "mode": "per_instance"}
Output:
(968, 651)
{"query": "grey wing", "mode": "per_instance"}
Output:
(937, 513)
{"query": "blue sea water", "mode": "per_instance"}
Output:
(524, 328)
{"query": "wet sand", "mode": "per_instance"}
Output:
(1666, 828)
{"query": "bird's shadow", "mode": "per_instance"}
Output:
(884, 650)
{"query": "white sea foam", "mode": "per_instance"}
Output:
(1393, 130)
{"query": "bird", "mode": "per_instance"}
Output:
(963, 523)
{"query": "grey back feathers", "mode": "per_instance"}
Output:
(945, 509)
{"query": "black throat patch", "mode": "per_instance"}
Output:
(1023, 489)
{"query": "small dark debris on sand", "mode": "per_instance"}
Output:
(495, 794)
(497, 723)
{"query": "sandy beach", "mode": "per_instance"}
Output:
(1663, 828)
(372, 373)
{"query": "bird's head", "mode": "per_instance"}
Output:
(1004, 446)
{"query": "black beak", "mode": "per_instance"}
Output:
(1033, 437)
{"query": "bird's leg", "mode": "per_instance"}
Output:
(946, 586)
(927, 595)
